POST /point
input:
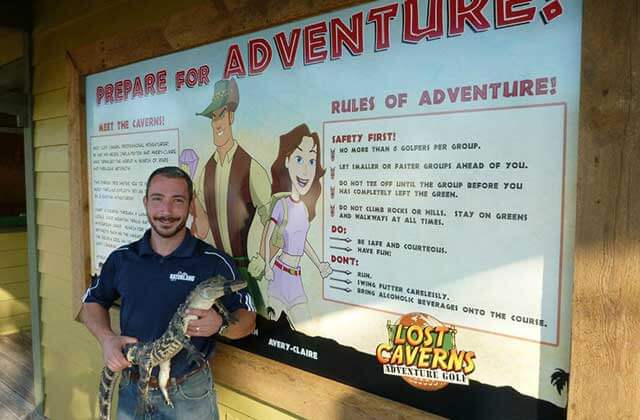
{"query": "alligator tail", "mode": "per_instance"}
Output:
(107, 383)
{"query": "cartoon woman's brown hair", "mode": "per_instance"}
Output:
(280, 174)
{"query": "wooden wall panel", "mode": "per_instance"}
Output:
(14, 307)
(69, 397)
(78, 186)
(15, 324)
(10, 45)
(83, 356)
(605, 367)
(68, 337)
(54, 13)
(52, 186)
(52, 159)
(14, 258)
(56, 315)
(12, 291)
(50, 105)
(251, 408)
(76, 346)
(57, 289)
(54, 240)
(49, 76)
(51, 132)
(102, 23)
(12, 275)
(49, 263)
(302, 393)
(53, 213)
(14, 283)
(11, 241)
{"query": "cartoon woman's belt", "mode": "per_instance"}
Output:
(287, 269)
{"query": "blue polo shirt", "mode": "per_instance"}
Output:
(152, 287)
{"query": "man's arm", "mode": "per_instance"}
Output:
(259, 185)
(96, 319)
(200, 224)
(245, 324)
(209, 323)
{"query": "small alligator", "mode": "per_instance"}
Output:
(159, 352)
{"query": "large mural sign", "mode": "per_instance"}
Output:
(395, 180)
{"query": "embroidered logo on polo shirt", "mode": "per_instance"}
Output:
(182, 276)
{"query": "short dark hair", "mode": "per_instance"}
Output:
(171, 172)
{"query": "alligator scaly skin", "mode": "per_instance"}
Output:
(160, 352)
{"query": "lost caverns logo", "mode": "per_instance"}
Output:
(423, 351)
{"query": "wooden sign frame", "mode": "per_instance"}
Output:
(607, 258)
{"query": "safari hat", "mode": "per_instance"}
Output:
(225, 92)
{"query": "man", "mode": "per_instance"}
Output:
(231, 186)
(152, 277)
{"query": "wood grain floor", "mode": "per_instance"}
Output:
(16, 378)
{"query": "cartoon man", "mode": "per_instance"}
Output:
(230, 187)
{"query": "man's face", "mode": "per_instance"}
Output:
(167, 205)
(221, 121)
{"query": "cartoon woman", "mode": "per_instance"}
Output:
(296, 175)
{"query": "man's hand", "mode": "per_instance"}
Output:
(207, 324)
(112, 351)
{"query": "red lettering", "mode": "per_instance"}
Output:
(127, 88)
(465, 95)
(234, 65)
(453, 94)
(526, 87)
(137, 87)
(149, 82)
(338, 229)
(260, 54)
(479, 92)
(179, 79)
(412, 32)
(287, 51)
(508, 15)
(314, 43)
(351, 37)
(381, 18)
(118, 89)
(542, 87)
(460, 13)
(425, 98)
(192, 77)
(494, 89)
(340, 259)
(161, 77)
(108, 94)
(203, 72)
(99, 94)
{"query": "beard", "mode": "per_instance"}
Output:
(156, 225)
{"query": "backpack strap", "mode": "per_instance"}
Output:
(285, 210)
